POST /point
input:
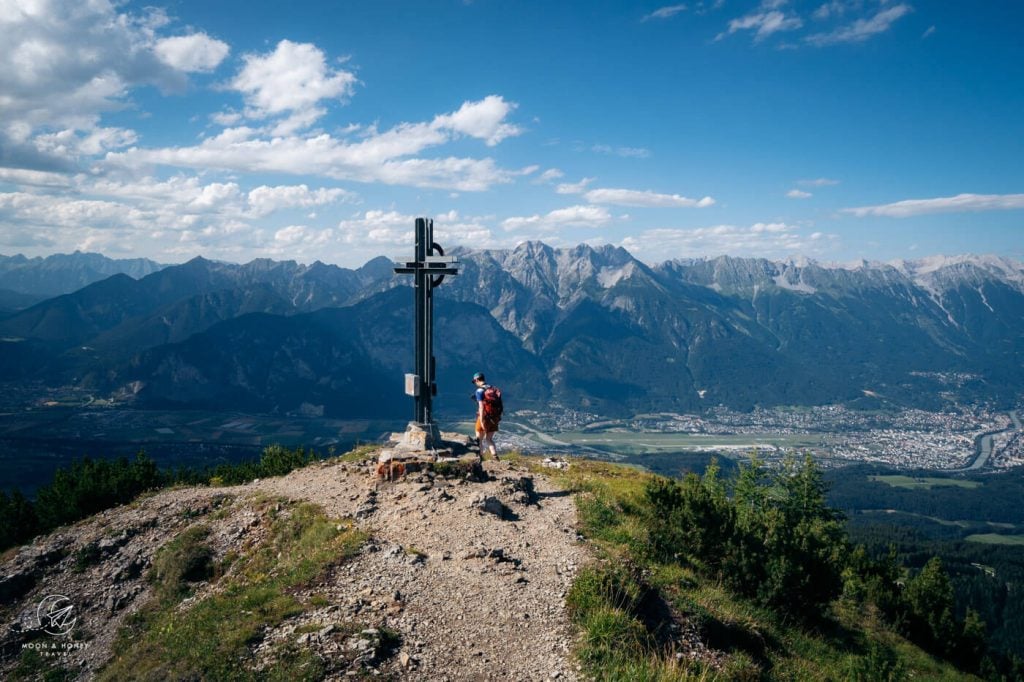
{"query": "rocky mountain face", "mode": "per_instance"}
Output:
(588, 327)
(614, 332)
(63, 273)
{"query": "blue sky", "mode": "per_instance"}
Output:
(836, 129)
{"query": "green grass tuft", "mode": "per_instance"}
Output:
(610, 605)
(210, 639)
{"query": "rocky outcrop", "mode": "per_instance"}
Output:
(458, 580)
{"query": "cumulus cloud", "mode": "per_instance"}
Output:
(163, 217)
(299, 237)
(861, 29)
(550, 175)
(292, 79)
(666, 12)
(572, 216)
(375, 228)
(646, 198)
(798, 194)
(264, 200)
(378, 157)
(956, 204)
(66, 63)
(197, 52)
(33, 178)
(484, 120)
(71, 143)
(573, 187)
(760, 240)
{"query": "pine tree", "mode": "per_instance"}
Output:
(930, 597)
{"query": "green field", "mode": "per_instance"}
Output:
(899, 481)
(936, 519)
(996, 539)
(632, 442)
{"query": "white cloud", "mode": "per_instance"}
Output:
(818, 182)
(798, 194)
(191, 53)
(264, 200)
(765, 240)
(550, 175)
(71, 143)
(647, 198)
(483, 120)
(625, 152)
(292, 236)
(573, 187)
(226, 118)
(764, 24)
(64, 64)
(929, 31)
(572, 216)
(33, 178)
(861, 29)
(666, 12)
(378, 157)
(293, 79)
(372, 229)
(175, 195)
(956, 204)
(830, 9)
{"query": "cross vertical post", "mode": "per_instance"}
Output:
(428, 268)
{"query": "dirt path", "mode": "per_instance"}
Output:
(471, 594)
(479, 597)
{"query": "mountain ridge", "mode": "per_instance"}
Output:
(592, 327)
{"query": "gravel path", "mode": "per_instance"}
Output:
(479, 597)
(471, 575)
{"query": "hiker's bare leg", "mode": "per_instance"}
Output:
(488, 439)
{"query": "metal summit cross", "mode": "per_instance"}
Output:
(428, 268)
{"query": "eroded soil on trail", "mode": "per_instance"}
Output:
(459, 580)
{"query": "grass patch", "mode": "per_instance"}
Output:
(360, 453)
(32, 665)
(624, 617)
(210, 639)
(925, 482)
(182, 562)
(996, 539)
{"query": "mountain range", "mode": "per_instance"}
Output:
(24, 281)
(587, 327)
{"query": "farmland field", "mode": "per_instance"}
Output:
(900, 481)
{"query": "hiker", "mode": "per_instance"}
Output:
(488, 414)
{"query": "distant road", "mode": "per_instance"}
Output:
(984, 444)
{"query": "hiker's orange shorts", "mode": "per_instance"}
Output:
(486, 425)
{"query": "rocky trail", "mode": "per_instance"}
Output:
(472, 576)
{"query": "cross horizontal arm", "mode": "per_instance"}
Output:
(413, 268)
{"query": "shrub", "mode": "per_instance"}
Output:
(92, 485)
(775, 539)
(18, 522)
(184, 560)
